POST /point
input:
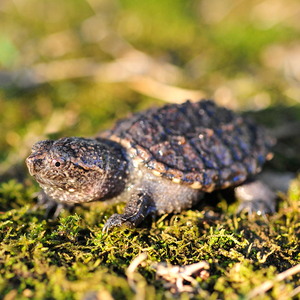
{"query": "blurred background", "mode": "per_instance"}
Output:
(73, 67)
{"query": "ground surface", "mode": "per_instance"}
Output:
(72, 68)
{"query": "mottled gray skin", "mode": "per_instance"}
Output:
(159, 161)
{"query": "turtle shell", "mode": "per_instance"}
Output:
(199, 144)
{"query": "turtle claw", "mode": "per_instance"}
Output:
(113, 221)
(117, 220)
(139, 206)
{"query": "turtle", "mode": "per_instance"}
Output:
(159, 161)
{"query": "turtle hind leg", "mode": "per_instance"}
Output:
(255, 196)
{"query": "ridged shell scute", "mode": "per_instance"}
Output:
(199, 144)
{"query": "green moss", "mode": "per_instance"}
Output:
(69, 258)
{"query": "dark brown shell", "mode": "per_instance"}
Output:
(198, 144)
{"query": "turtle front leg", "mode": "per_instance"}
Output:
(256, 197)
(136, 210)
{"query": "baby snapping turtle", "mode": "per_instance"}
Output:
(159, 161)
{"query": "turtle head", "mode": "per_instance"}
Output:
(75, 170)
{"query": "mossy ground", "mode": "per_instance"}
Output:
(242, 53)
(71, 259)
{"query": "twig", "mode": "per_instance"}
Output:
(130, 270)
(264, 287)
(175, 276)
(294, 292)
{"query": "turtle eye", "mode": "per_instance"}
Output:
(57, 162)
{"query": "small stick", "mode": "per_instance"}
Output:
(130, 270)
(264, 287)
